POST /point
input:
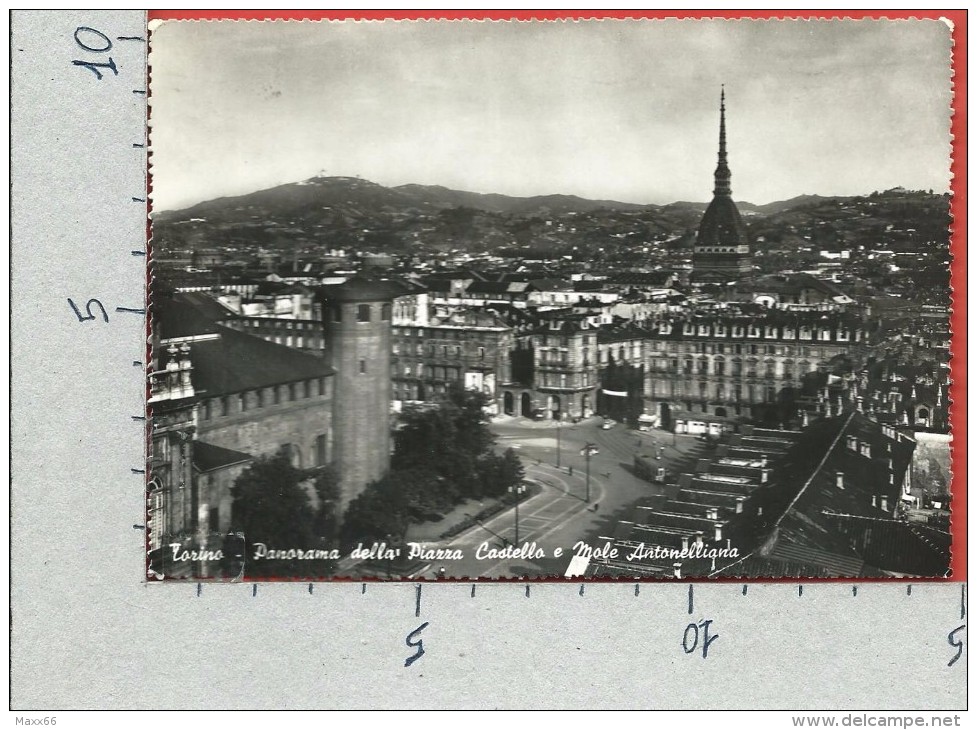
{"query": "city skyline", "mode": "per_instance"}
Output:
(547, 99)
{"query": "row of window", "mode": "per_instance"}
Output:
(719, 348)
(268, 323)
(436, 372)
(752, 369)
(751, 331)
(260, 398)
(418, 391)
(562, 380)
(734, 394)
(563, 340)
(444, 351)
(722, 249)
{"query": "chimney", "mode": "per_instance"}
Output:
(712, 513)
(677, 569)
(763, 461)
(858, 404)
(759, 511)
(805, 419)
(840, 479)
(685, 543)
(764, 475)
(884, 503)
(739, 505)
(719, 531)
(875, 501)
(698, 539)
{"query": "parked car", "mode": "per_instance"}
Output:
(608, 423)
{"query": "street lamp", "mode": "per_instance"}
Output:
(586, 452)
(517, 490)
(558, 443)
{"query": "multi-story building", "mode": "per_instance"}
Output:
(469, 348)
(556, 368)
(727, 365)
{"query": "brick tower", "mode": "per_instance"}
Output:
(357, 318)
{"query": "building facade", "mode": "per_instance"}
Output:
(556, 370)
(728, 366)
(454, 347)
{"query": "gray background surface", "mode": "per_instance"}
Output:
(88, 633)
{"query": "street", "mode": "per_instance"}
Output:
(560, 515)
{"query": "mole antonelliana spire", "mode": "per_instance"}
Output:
(723, 174)
(722, 249)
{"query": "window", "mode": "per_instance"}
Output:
(385, 313)
(242, 402)
(260, 395)
(208, 406)
(322, 386)
(276, 395)
(362, 366)
(396, 349)
(291, 391)
(307, 388)
(337, 313)
(363, 313)
(320, 450)
(481, 353)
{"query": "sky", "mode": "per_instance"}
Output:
(618, 110)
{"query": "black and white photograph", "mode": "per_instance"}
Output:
(646, 299)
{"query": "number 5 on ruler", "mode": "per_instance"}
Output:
(419, 644)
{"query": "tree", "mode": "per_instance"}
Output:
(271, 507)
(326, 524)
(377, 514)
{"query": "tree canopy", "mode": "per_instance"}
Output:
(271, 507)
(441, 457)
